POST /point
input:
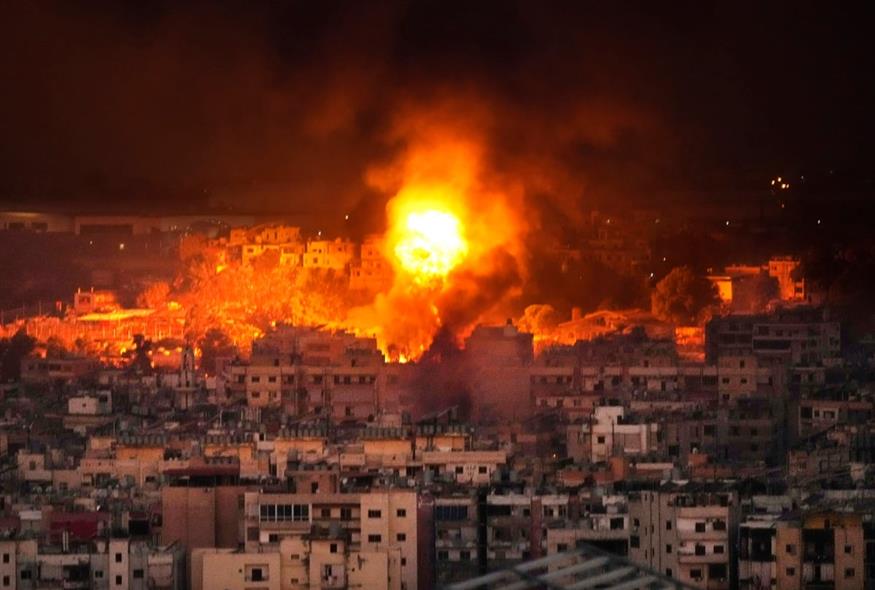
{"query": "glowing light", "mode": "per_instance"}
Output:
(430, 245)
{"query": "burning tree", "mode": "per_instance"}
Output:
(214, 344)
(243, 301)
(682, 297)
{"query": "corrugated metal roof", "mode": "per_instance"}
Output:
(585, 567)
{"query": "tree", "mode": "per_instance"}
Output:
(12, 351)
(214, 344)
(55, 348)
(682, 296)
(155, 296)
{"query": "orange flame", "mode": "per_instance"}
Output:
(428, 244)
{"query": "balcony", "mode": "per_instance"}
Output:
(706, 535)
(335, 581)
(691, 557)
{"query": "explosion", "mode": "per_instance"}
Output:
(455, 238)
(454, 252)
(429, 244)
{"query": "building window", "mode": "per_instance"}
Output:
(6, 580)
(634, 541)
(700, 527)
(401, 513)
(719, 525)
(700, 550)
(333, 548)
(791, 571)
(791, 549)
(668, 525)
(404, 559)
(849, 572)
(284, 512)
(482, 469)
(325, 512)
(5, 558)
(849, 549)
(98, 574)
(375, 514)
(375, 538)
(718, 548)
(443, 555)
(600, 440)
(26, 575)
(402, 537)
(696, 574)
(460, 469)
(256, 573)
(717, 571)
(445, 513)
(138, 574)
(346, 514)
(668, 572)
(118, 580)
(668, 548)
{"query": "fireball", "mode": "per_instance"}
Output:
(430, 244)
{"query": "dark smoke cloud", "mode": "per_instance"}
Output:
(284, 106)
(473, 293)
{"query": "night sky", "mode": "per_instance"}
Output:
(280, 106)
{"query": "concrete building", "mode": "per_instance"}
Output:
(457, 542)
(382, 522)
(796, 336)
(372, 271)
(611, 433)
(686, 532)
(329, 254)
(201, 506)
(90, 405)
(235, 570)
(100, 564)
